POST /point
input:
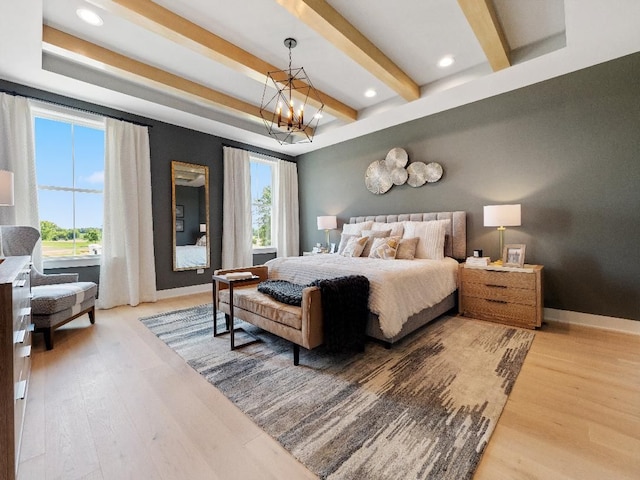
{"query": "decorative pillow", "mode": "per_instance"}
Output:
(384, 248)
(344, 238)
(356, 228)
(202, 241)
(407, 248)
(431, 236)
(397, 228)
(371, 234)
(354, 246)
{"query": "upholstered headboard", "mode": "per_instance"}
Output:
(455, 244)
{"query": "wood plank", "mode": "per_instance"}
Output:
(573, 412)
(485, 25)
(328, 22)
(155, 18)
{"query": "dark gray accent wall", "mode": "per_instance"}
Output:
(567, 150)
(167, 143)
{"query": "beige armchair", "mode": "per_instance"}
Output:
(56, 298)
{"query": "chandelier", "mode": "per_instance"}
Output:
(295, 98)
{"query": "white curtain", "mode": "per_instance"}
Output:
(236, 216)
(17, 155)
(127, 271)
(285, 212)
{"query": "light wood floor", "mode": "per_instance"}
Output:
(111, 401)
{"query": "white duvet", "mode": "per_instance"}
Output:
(398, 288)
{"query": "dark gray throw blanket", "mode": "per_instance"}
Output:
(283, 291)
(345, 308)
(345, 312)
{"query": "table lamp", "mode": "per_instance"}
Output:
(326, 223)
(502, 216)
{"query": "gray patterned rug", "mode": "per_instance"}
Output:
(424, 409)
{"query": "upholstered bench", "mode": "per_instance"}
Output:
(56, 304)
(300, 325)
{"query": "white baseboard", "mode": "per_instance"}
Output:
(181, 291)
(596, 321)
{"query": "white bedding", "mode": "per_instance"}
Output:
(398, 288)
(191, 256)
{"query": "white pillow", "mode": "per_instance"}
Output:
(431, 236)
(344, 238)
(397, 228)
(356, 228)
(354, 247)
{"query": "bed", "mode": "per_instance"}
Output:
(405, 294)
(191, 256)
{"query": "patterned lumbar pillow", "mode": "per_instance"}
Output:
(354, 246)
(384, 248)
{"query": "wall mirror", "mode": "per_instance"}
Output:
(190, 211)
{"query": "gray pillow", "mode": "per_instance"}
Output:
(371, 234)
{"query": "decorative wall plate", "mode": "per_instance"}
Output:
(399, 176)
(417, 174)
(378, 177)
(396, 158)
(434, 172)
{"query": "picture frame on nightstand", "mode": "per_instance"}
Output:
(513, 255)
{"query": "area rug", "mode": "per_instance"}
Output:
(424, 409)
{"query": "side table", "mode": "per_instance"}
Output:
(231, 283)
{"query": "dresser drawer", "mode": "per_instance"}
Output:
(499, 279)
(500, 293)
(509, 313)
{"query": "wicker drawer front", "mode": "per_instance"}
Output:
(499, 293)
(510, 313)
(501, 279)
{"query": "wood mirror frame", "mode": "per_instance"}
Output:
(190, 207)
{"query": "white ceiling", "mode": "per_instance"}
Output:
(546, 38)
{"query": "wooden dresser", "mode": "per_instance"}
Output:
(15, 364)
(512, 296)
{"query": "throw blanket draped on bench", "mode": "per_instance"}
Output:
(344, 307)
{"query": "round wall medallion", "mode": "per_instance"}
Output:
(399, 176)
(396, 158)
(417, 174)
(434, 172)
(378, 178)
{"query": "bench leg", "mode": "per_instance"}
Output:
(296, 354)
(48, 337)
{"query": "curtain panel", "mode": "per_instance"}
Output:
(17, 155)
(127, 271)
(286, 214)
(236, 217)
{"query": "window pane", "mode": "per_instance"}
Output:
(54, 148)
(56, 222)
(261, 210)
(89, 158)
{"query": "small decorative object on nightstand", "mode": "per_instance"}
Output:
(512, 296)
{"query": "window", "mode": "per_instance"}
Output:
(261, 201)
(70, 176)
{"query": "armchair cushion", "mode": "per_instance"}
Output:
(50, 299)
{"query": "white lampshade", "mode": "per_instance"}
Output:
(203, 228)
(327, 222)
(502, 216)
(6, 188)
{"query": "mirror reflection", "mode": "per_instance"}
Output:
(190, 206)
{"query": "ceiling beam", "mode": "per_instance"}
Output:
(328, 22)
(484, 22)
(116, 63)
(164, 22)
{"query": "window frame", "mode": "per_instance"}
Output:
(259, 158)
(81, 118)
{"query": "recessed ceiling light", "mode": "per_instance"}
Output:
(370, 93)
(89, 16)
(446, 61)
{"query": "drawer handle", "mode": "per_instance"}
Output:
(20, 390)
(495, 301)
(25, 352)
(19, 336)
(20, 283)
(495, 286)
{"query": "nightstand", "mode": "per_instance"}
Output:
(512, 296)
